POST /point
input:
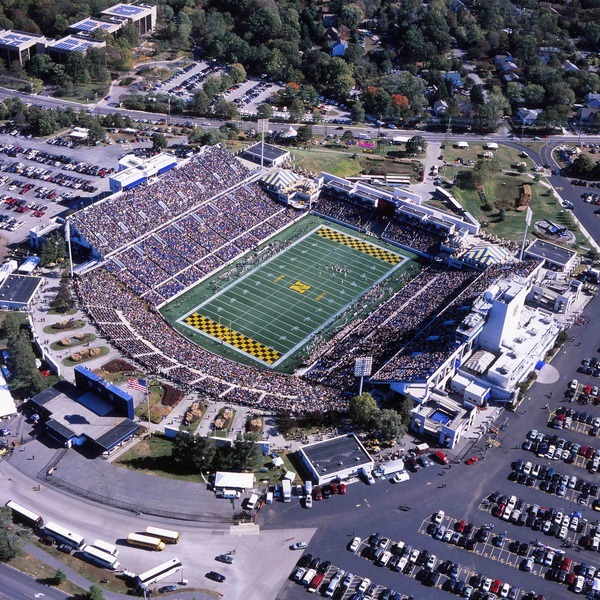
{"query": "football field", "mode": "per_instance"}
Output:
(271, 311)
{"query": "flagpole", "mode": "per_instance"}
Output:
(68, 236)
(148, 404)
(528, 216)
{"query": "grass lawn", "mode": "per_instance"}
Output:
(274, 475)
(87, 93)
(34, 567)
(335, 162)
(152, 455)
(89, 337)
(503, 192)
(104, 350)
(507, 157)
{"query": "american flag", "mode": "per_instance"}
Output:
(137, 384)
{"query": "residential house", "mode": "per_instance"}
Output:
(592, 100)
(569, 67)
(454, 78)
(588, 117)
(528, 116)
(339, 48)
(440, 107)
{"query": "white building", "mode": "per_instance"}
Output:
(141, 16)
(340, 458)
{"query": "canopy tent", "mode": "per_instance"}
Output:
(234, 481)
(289, 133)
(7, 404)
(486, 254)
(280, 179)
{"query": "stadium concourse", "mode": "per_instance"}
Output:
(161, 238)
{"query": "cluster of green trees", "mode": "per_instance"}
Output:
(195, 453)
(11, 544)
(389, 423)
(583, 166)
(64, 300)
(25, 375)
(47, 122)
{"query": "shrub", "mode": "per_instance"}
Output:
(117, 366)
(172, 396)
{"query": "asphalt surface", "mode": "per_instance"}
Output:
(368, 509)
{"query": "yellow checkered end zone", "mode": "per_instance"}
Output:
(356, 244)
(233, 338)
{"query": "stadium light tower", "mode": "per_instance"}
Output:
(363, 366)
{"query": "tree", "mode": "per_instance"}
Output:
(348, 137)
(23, 358)
(10, 544)
(416, 145)
(159, 140)
(59, 577)
(264, 111)
(357, 112)
(296, 110)
(63, 302)
(193, 453)
(225, 110)
(10, 327)
(246, 452)
(200, 102)
(477, 96)
(363, 409)
(390, 424)
(351, 16)
(405, 410)
(305, 134)
(237, 73)
(95, 593)
(483, 170)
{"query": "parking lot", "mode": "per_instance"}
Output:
(185, 81)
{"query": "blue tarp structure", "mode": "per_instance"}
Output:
(539, 365)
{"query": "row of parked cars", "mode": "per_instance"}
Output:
(591, 366)
(57, 160)
(553, 447)
(549, 520)
(62, 179)
(551, 480)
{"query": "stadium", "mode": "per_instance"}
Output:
(202, 278)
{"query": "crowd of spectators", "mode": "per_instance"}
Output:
(105, 297)
(436, 342)
(389, 327)
(413, 236)
(357, 215)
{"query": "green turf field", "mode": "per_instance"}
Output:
(273, 310)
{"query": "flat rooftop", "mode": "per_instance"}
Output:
(270, 152)
(90, 24)
(19, 288)
(15, 39)
(75, 44)
(336, 454)
(76, 413)
(127, 10)
(548, 251)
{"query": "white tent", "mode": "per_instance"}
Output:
(234, 481)
(491, 146)
(462, 145)
(290, 132)
(7, 404)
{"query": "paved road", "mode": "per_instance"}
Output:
(16, 586)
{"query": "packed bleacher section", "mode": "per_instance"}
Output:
(165, 236)
(391, 326)
(134, 326)
(434, 344)
(356, 215)
(413, 236)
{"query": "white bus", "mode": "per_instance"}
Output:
(106, 547)
(20, 513)
(166, 535)
(159, 573)
(64, 536)
(104, 559)
(145, 541)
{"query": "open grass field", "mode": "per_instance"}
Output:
(274, 309)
